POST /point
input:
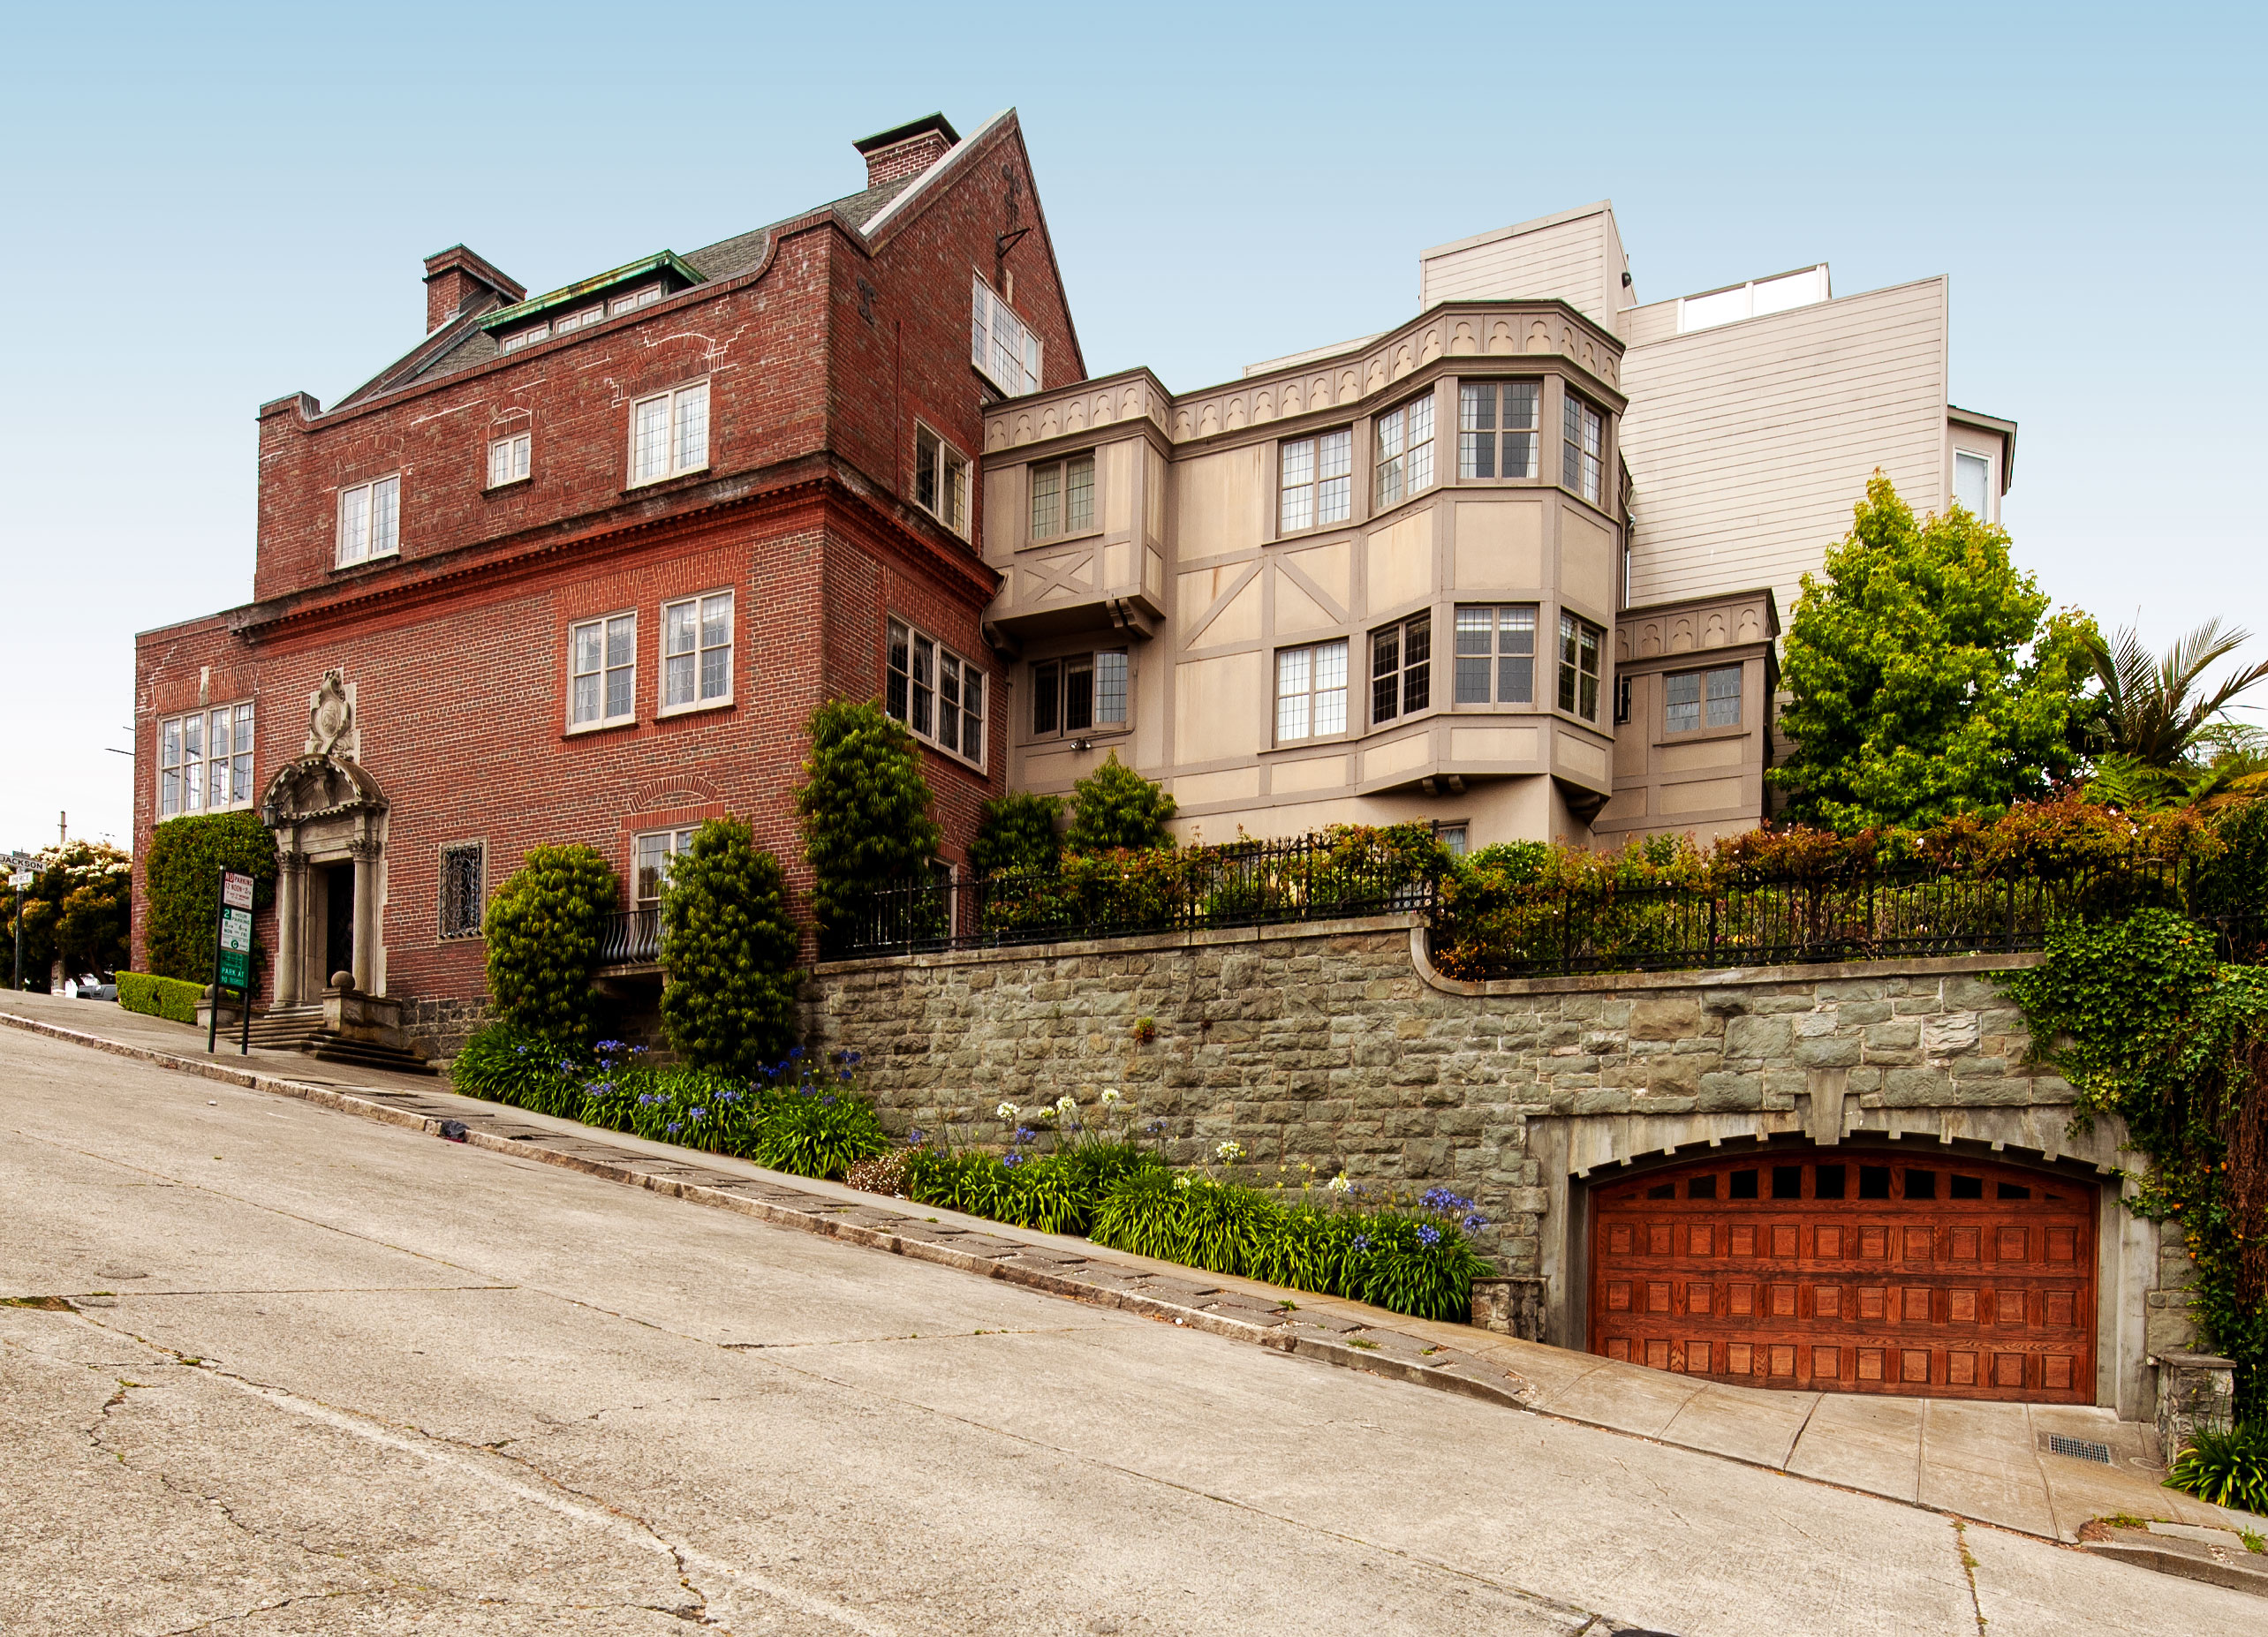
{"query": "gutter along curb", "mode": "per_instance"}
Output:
(1181, 1297)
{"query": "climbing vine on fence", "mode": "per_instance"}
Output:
(2148, 1025)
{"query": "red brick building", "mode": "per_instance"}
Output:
(577, 567)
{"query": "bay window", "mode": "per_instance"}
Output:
(1401, 668)
(1580, 645)
(1079, 693)
(1312, 691)
(1062, 497)
(1496, 655)
(1405, 451)
(1582, 460)
(1316, 482)
(1498, 429)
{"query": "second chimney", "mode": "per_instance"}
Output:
(906, 150)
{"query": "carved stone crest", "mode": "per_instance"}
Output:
(330, 719)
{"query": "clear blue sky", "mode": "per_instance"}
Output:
(206, 208)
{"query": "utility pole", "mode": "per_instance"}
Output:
(62, 829)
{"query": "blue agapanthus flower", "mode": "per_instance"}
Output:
(1442, 1200)
(826, 1102)
(1012, 1160)
(913, 1138)
(1474, 1222)
(1429, 1236)
(1362, 1242)
(675, 1127)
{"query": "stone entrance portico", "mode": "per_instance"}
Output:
(325, 810)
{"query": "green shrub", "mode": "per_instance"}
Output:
(543, 932)
(507, 1064)
(1055, 1193)
(2227, 1468)
(186, 856)
(160, 997)
(1017, 833)
(76, 911)
(1113, 807)
(864, 812)
(730, 949)
(818, 1132)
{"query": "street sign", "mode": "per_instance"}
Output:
(21, 880)
(236, 890)
(236, 948)
(233, 956)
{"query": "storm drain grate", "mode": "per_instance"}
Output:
(2080, 1448)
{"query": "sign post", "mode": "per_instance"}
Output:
(19, 880)
(233, 956)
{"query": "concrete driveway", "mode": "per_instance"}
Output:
(353, 1379)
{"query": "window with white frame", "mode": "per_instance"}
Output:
(464, 888)
(520, 338)
(1972, 484)
(1453, 838)
(204, 760)
(508, 459)
(1499, 426)
(568, 323)
(1405, 451)
(651, 855)
(1312, 691)
(1004, 351)
(604, 654)
(616, 306)
(1580, 645)
(941, 480)
(1496, 655)
(1703, 698)
(1079, 693)
(370, 520)
(1583, 466)
(1062, 497)
(697, 651)
(669, 433)
(1317, 481)
(935, 692)
(1401, 668)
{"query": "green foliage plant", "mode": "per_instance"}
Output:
(2228, 1468)
(160, 997)
(863, 811)
(76, 912)
(729, 947)
(2154, 709)
(1114, 807)
(1926, 682)
(543, 931)
(1016, 833)
(186, 856)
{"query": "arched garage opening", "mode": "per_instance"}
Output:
(1850, 1270)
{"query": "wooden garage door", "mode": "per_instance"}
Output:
(1852, 1271)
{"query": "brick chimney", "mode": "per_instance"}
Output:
(456, 277)
(906, 150)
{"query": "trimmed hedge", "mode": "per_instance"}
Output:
(186, 855)
(543, 932)
(160, 997)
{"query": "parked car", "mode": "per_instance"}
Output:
(88, 986)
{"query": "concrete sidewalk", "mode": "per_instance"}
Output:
(1986, 1461)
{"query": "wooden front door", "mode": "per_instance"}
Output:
(1851, 1270)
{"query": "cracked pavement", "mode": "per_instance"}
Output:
(315, 1374)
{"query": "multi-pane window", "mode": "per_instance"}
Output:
(1580, 642)
(1401, 668)
(1083, 693)
(1498, 429)
(697, 650)
(1000, 346)
(1703, 698)
(617, 305)
(508, 459)
(568, 323)
(464, 888)
(204, 761)
(941, 480)
(370, 520)
(1496, 655)
(935, 692)
(1312, 691)
(669, 433)
(1317, 481)
(605, 677)
(1405, 451)
(651, 857)
(1583, 462)
(1062, 497)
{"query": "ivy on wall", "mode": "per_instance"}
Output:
(2148, 1025)
(186, 856)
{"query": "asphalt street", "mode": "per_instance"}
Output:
(269, 1369)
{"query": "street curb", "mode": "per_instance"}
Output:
(2230, 1576)
(819, 1222)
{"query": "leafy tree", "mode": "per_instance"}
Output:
(864, 812)
(1017, 832)
(543, 933)
(76, 911)
(186, 856)
(1115, 806)
(1926, 683)
(729, 947)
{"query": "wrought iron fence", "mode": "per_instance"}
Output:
(1242, 884)
(631, 938)
(1775, 920)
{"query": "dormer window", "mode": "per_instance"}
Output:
(520, 338)
(631, 302)
(571, 322)
(1003, 350)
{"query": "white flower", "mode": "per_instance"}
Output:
(1005, 1111)
(1110, 1094)
(1065, 1104)
(1230, 1152)
(1045, 1113)
(1339, 1184)
(1182, 1181)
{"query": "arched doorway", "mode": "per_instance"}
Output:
(1851, 1270)
(329, 818)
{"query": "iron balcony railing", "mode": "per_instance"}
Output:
(1244, 884)
(631, 938)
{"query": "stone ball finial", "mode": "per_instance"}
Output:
(344, 982)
